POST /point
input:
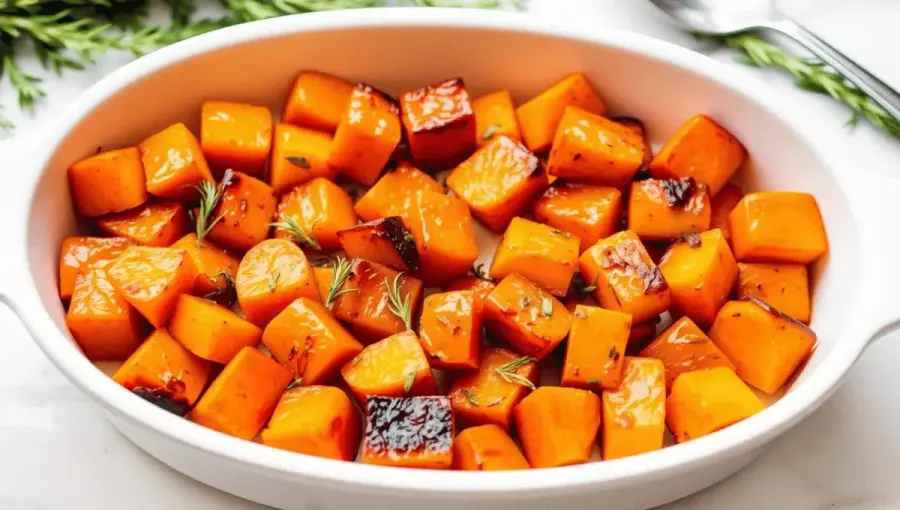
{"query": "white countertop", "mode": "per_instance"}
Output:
(59, 452)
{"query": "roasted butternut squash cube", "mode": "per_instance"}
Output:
(299, 155)
(765, 345)
(79, 253)
(174, 164)
(414, 432)
(683, 347)
(247, 207)
(495, 114)
(544, 255)
(439, 123)
(367, 135)
(391, 195)
(634, 415)
(152, 280)
(211, 331)
(445, 237)
(324, 277)
(480, 286)
(216, 269)
(307, 339)
(320, 209)
(590, 148)
(164, 372)
(586, 211)
(527, 318)
(109, 182)
(626, 278)
(365, 302)
(450, 330)
(637, 126)
(705, 401)
(722, 205)
(486, 448)
(317, 100)
(701, 149)
(784, 286)
(558, 426)
(100, 319)
(243, 397)
(778, 226)
(393, 367)
(236, 136)
(386, 241)
(701, 272)
(659, 210)
(498, 181)
(595, 353)
(159, 224)
(270, 277)
(540, 117)
(315, 420)
(489, 395)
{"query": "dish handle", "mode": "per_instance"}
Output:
(15, 194)
(880, 247)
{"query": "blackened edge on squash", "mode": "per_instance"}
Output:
(394, 230)
(163, 400)
(626, 255)
(778, 313)
(678, 192)
(408, 425)
(691, 238)
(369, 90)
(632, 122)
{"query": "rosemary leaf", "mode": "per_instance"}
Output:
(509, 372)
(399, 305)
(340, 272)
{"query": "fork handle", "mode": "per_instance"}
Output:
(881, 93)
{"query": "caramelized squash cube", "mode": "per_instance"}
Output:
(152, 280)
(79, 253)
(489, 395)
(100, 319)
(439, 123)
(386, 241)
(683, 347)
(299, 155)
(663, 209)
(321, 209)
(634, 415)
(393, 367)
(414, 432)
(784, 286)
(211, 331)
(778, 226)
(450, 330)
(159, 224)
(236, 136)
(391, 195)
(486, 448)
(109, 182)
(722, 205)
(445, 237)
(540, 116)
(544, 255)
(595, 352)
(270, 277)
(174, 164)
(495, 114)
(216, 268)
(558, 426)
(247, 207)
(317, 100)
(586, 211)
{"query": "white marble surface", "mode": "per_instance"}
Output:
(58, 452)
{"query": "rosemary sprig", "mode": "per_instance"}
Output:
(509, 371)
(290, 226)
(296, 383)
(228, 290)
(399, 305)
(210, 194)
(340, 273)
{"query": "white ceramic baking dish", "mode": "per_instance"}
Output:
(397, 49)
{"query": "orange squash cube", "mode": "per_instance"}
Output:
(495, 114)
(236, 136)
(101, 321)
(317, 100)
(439, 123)
(163, 371)
(109, 182)
(299, 155)
(393, 367)
(594, 149)
(385, 241)
(367, 135)
(480, 286)
(638, 128)
(243, 397)
(308, 340)
(489, 395)
(626, 278)
(683, 347)
(784, 286)
(527, 318)
(315, 420)
(174, 164)
(159, 224)
(588, 212)
(450, 330)
(391, 195)
(211, 331)
(413, 432)
(79, 253)
(270, 277)
(320, 208)
(540, 117)
(365, 302)
(544, 255)
(701, 149)
(595, 353)
(558, 426)
(486, 448)
(701, 272)
(778, 226)
(445, 237)
(216, 268)
(324, 277)
(498, 181)
(634, 415)
(659, 210)
(705, 401)
(765, 345)
(722, 205)
(152, 280)
(247, 207)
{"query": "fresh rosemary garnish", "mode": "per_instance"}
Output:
(228, 289)
(290, 226)
(296, 383)
(473, 399)
(509, 371)
(490, 131)
(298, 161)
(398, 304)
(340, 272)
(210, 194)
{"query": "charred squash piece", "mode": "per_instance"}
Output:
(415, 432)
(439, 123)
(663, 209)
(386, 241)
